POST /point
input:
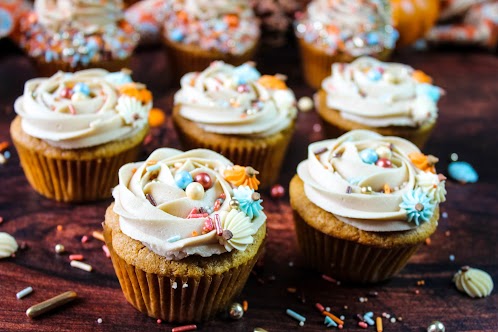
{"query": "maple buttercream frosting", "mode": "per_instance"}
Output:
(83, 109)
(381, 94)
(230, 100)
(188, 203)
(372, 182)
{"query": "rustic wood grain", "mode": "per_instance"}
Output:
(468, 125)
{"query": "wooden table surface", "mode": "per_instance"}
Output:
(467, 125)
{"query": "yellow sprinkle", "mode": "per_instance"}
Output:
(379, 324)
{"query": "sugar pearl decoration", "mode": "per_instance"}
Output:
(183, 179)
(384, 152)
(234, 204)
(78, 96)
(66, 93)
(81, 88)
(436, 326)
(204, 179)
(195, 191)
(369, 156)
(236, 311)
(305, 104)
(59, 248)
(385, 163)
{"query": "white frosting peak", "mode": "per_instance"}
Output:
(473, 282)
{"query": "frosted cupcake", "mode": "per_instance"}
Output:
(74, 131)
(199, 32)
(389, 98)
(184, 232)
(235, 111)
(71, 35)
(363, 203)
(340, 31)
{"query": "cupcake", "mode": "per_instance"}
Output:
(74, 130)
(363, 203)
(340, 31)
(199, 32)
(184, 233)
(71, 35)
(235, 111)
(389, 98)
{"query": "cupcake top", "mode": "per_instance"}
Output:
(188, 203)
(227, 26)
(373, 182)
(354, 27)
(381, 94)
(83, 109)
(78, 31)
(232, 100)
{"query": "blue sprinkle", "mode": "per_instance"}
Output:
(153, 168)
(176, 35)
(174, 238)
(246, 73)
(368, 320)
(118, 78)
(369, 314)
(183, 179)
(81, 88)
(372, 39)
(295, 315)
(374, 74)
(429, 90)
(329, 322)
(369, 156)
(6, 154)
(463, 172)
(220, 26)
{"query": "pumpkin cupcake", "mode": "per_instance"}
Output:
(340, 31)
(363, 203)
(71, 35)
(184, 233)
(74, 130)
(197, 33)
(235, 111)
(389, 98)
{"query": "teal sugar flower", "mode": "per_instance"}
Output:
(418, 206)
(247, 202)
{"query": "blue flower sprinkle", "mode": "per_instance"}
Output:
(418, 206)
(431, 91)
(252, 208)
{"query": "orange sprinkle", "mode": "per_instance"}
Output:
(334, 318)
(421, 77)
(387, 189)
(232, 20)
(242, 176)
(194, 233)
(428, 241)
(4, 145)
(98, 235)
(245, 305)
(182, 15)
(134, 170)
(272, 82)
(156, 117)
(59, 228)
(423, 162)
(130, 89)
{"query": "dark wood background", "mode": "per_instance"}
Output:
(467, 125)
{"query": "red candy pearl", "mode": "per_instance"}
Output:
(383, 162)
(204, 179)
(66, 93)
(277, 191)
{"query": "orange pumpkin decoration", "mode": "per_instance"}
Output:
(413, 18)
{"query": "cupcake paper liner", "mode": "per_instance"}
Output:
(47, 69)
(266, 154)
(335, 125)
(65, 176)
(317, 64)
(188, 58)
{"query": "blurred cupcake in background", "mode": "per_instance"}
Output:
(339, 31)
(71, 35)
(392, 99)
(198, 32)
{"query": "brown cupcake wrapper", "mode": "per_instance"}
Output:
(192, 300)
(186, 59)
(73, 180)
(47, 69)
(266, 157)
(317, 64)
(350, 261)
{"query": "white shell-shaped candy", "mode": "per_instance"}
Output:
(473, 282)
(239, 224)
(8, 245)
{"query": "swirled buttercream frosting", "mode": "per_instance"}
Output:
(227, 26)
(381, 94)
(230, 100)
(473, 282)
(83, 109)
(184, 203)
(356, 27)
(371, 182)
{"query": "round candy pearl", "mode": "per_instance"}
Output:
(383, 162)
(436, 326)
(204, 179)
(195, 191)
(82, 88)
(236, 311)
(369, 156)
(183, 179)
(384, 152)
(374, 74)
(66, 93)
(78, 96)
(277, 191)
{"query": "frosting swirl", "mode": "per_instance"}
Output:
(182, 203)
(356, 27)
(228, 26)
(83, 109)
(232, 100)
(380, 94)
(368, 181)
(8, 245)
(473, 282)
